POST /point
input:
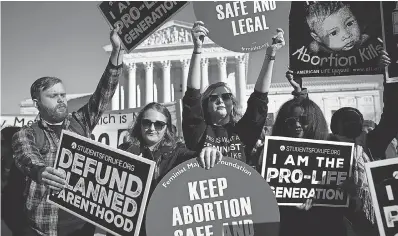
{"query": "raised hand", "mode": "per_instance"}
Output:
(277, 43)
(290, 78)
(384, 59)
(115, 40)
(199, 32)
(209, 156)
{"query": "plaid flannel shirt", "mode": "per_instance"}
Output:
(43, 216)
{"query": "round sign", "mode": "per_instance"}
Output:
(240, 26)
(229, 199)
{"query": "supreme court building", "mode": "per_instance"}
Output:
(157, 70)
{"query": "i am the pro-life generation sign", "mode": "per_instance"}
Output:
(299, 169)
(229, 199)
(383, 183)
(105, 186)
(138, 19)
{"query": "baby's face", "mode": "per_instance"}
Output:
(339, 31)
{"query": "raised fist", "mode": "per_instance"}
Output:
(277, 43)
(199, 32)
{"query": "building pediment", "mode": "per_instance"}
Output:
(172, 34)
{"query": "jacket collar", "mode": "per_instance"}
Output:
(44, 125)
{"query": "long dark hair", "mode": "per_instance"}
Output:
(135, 135)
(317, 127)
(236, 112)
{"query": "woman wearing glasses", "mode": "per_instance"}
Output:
(151, 136)
(300, 117)
(214, 118)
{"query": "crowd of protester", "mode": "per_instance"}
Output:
(213, 126)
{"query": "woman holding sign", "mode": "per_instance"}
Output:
(213, 119)
(301, 117)
(152, 137)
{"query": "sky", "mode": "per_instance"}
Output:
(66, 39)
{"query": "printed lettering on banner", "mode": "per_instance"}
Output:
(383, 183)
(105, 186)
(240, 26)
(347, 42)
(138, 19)
(16, 120)
(299, 169)
(229, 199)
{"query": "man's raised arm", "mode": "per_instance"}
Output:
(91, 112)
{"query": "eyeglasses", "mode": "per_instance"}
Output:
(159, 125)
(292, 120)
(224, 97)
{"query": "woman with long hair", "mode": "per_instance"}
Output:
(152, 137)
(301, 117)
(214, 118)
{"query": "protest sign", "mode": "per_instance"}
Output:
(137, 20)
(229, 199)
(240, 26)
(298, 169)
(390, 37)
(383, 183)
(16, 120)
(105, 186)
(334, 38)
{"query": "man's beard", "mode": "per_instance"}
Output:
(52, 115)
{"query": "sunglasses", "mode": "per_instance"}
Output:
(224, 97)
(291, 121)
(159, 125)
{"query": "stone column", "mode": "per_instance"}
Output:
(138, 95)
(222, 69)
(116, 98)
(148, 83)
(240, 80)
(185, 70)
(172, 92)
(122, 96)
(204, 64)
(131, 86)
(166, 97)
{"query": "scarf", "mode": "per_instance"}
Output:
(361, 185)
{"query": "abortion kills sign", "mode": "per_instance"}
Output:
(105, 186)
(335, 38)
(383, 184)
(229, 199)
(240, 26)
(298, 169)
(138, 19)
